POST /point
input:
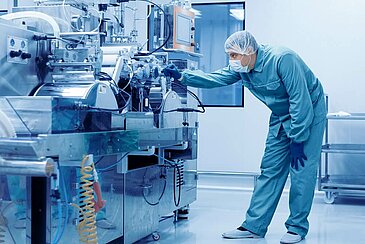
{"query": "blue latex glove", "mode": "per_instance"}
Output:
(297, 154)
(171, 71)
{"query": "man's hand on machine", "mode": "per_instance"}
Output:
(172, 71)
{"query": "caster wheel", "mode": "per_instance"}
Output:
(182, 214)
(329, 197)
(155, 236)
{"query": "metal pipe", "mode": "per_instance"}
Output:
(43, 168)
(35, 15)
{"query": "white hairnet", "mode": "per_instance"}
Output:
(241, 42)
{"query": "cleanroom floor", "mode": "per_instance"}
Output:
(217, 211)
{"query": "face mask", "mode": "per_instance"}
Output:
(237, 67)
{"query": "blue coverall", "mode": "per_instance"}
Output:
(282, 81)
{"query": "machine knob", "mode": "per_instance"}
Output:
(193, 28)
(26, 55)
(192, 44)
(14, 54)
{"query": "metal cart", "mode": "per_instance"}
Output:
(333, 185)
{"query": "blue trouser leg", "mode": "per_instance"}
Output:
(303, 183)
(274, 172)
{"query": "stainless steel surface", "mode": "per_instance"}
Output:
(171, 119)
(338, 182)
(141, 186)
(69, 113)
(42, 168)
(72, 55)
(344, 148)
(334, 184)
(227, 173)
(114, 116)
(73, 90)
(139, 120)
(17, 78)
(112, 191)
(63, 14)
(156, 96)
(87, 33)
(19, 46)
(73, 146)
(183, 196)
(130, 203)
(87, 2)
(352, 116)
(29, 115)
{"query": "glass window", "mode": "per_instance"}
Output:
(214, 23)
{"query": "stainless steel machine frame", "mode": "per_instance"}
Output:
(59, 97)
(333, 185)
(136, 217)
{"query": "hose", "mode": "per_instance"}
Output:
(35, 15)
(87, 223)
(162, 176)
(178, 182)
(57, 235)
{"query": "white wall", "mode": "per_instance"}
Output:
(325, 33)
(6, 5)
(232, 139)
(3, 5)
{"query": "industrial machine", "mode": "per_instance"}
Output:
(96, 144)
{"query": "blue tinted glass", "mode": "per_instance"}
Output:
(214, 24)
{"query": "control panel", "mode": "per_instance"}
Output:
(18, 50)
(184, 29)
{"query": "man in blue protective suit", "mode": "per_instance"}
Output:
(279, 78)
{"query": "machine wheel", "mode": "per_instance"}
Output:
(329, 197)
(183, 213)
(155, 236)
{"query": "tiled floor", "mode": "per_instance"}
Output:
(217, 211)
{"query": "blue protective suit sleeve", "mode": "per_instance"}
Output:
(292, 71)
(200, 79)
